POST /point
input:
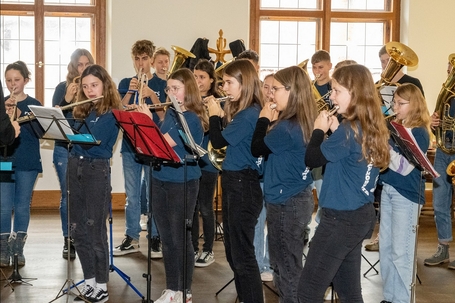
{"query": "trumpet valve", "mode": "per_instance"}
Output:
(273, 106)
(333, 110)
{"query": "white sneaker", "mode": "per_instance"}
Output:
(196, 256)
(178, 298)
(143, 222)
(205, 259)
(167, 296)
(266, 276)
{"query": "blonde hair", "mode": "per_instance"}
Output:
(72, 66)
(418, 115)
(193, 99)
(364, 113)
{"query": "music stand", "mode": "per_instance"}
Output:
(151, 146)
(57, 127)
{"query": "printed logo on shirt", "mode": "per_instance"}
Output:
(305, 173)
(94, 121)
(367, 179)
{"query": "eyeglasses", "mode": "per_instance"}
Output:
(400, 104)
(275, 88)
(172, 89)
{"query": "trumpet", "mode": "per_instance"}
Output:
(152, 106)
(142, 80)
(66, 107)
(333, 110)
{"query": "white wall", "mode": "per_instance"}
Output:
(425, 27)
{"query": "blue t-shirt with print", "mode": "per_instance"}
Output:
(239, 133)
(174, 172)
(349, 181)
(285, 172)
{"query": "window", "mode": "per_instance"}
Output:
(286, 32)
(44, 33)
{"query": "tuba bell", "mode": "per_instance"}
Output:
(400, 55)
(180, 55)
(445, 132)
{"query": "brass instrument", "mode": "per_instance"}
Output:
(320, 102)
(13, 116)
(400, 55)
(304, 65)
(180, 55)
(447, 122)
(152, 106)
(451, 171)
(142, 80)
(66, 107)
(216, 156)
(333, 110)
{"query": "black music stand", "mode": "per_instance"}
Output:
(152, 147)
(56, 127)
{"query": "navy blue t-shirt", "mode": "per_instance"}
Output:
(285, 172)
(105, 129)
(239, 133)
(411, 186)
(349, 182)
(174, 172)
(24, 153)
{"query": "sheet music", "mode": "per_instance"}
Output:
(409, 147)
(186, 133)
(387, 98)
(45, 116)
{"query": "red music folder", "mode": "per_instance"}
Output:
(145, 136)
(411, 150)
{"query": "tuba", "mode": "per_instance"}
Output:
(400, 55)
(180, 55)
(446, 129)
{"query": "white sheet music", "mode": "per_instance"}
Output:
(46, 115)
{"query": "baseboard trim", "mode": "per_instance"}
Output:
(50, 199)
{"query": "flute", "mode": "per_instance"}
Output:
(220, 100)
(151, 106)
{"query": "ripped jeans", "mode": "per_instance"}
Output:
(89, 200)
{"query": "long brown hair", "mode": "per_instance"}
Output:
(111, 98)
(364, 113)
(301, 106)
(193, 99)
(72, 66)
(243, 71)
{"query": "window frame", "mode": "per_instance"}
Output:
(324, 17)
(39, 10)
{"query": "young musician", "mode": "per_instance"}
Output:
(403, 193)
(161, 59)
(204, 72)
(90, 180)
(64, 94)
(16, 187)
(242, 195)
(287, 181)
(133, 168)
(354, 152)
(168, 184)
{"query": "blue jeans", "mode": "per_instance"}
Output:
(261, 243)
(242, 203)
(399, 218)
(442, 196)
(204, 205)
(168, 206)
(133, 170)
(286, 225)
(335, 255)
(60, 159)
(15, 196)
(90, 197)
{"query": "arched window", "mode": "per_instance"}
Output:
(44, 33)
(286, 32)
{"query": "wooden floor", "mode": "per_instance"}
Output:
(44, 262)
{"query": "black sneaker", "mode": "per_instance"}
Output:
(156, 252)
(128, 246)
(99, 296)
(72, 250)
(86, 292)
